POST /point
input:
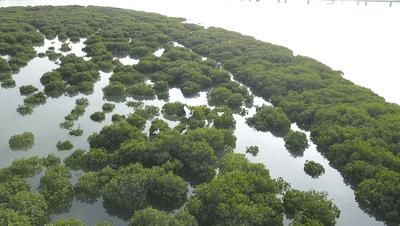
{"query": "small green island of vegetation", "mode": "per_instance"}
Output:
(296, 143)
(64, 145)
(98, 116)
(27, 90)
(108, 107)
(22, 142)
(253, 150)
(313, 169)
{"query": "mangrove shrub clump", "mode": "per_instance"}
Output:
(25, 109)
(310, 206)
(27, 90)
(35, 99)
(296, 143)
(64, 145)
(313, 169)
(98, 116)
(8, 83)
(51, 160)
(25, 167)
(270, 119)
(253, 150)
(65, 47)
(117, 118)
(108, 107)
(174, 110)
(115, 91)
(134, 187)
(76, 132)
(23, 141)
(153, 217)
(12, 217)
(84, 102)
(368, 195)
(222, 96)
(74, 76)
(56, 188)
(234, 189)
(79, 110)
(68, 124)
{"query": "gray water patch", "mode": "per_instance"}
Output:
(76, 48)
(127, 60)
(176, 44)
(90, 213)
(159, 52)
(5, 57)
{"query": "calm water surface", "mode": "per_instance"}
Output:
(44, 123)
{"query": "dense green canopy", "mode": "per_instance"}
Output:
(23, 141)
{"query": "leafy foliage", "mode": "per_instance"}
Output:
(313, 169)
(313, 205)
(270, 119)
(56, 188)
(238, 197)
(253, 150)
(32, 205)
(296, 143)
(154, 217)
(98, 116)
(64, 145)
(23, 141)
(27, 90)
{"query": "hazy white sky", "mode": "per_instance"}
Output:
(363, 42)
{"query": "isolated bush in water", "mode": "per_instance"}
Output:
(76, 132)
(25, 109)
(8, 83)
(108, 107)
(98, 116)
(27, 90)
(64, 145)
(253, 150)
(32, 205)
(35, 99)
(313, 169)
(22, 141)
(296, 143)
